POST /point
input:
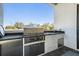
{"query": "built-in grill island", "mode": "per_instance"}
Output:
(30, 42)
(33, 41)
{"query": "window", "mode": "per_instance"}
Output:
(20, 15)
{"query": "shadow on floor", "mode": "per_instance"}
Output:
(63, 51)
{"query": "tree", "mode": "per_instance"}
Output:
(19, 25)
(10, 27)
(51, 26)
(47, 26)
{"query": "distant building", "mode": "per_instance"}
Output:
(31, 26)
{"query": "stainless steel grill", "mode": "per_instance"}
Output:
(34, 37)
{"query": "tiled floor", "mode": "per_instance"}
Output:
(63, 51)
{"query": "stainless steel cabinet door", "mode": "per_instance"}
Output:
(34, 49)
(12, 48)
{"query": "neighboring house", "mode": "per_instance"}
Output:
(30, 26)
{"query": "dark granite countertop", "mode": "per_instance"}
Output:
(55, 31)
(10, 36)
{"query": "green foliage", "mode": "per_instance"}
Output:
(47, 26)
(19, 25)
(10, 27)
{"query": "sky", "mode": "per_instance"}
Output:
(28, 13)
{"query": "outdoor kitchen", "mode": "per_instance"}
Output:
(19, 39)
(30, 42)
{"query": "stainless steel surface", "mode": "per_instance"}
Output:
(11, 47)
(2, 32)
(34, 37)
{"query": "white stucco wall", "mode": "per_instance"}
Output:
(65, 19)
(51, 42)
